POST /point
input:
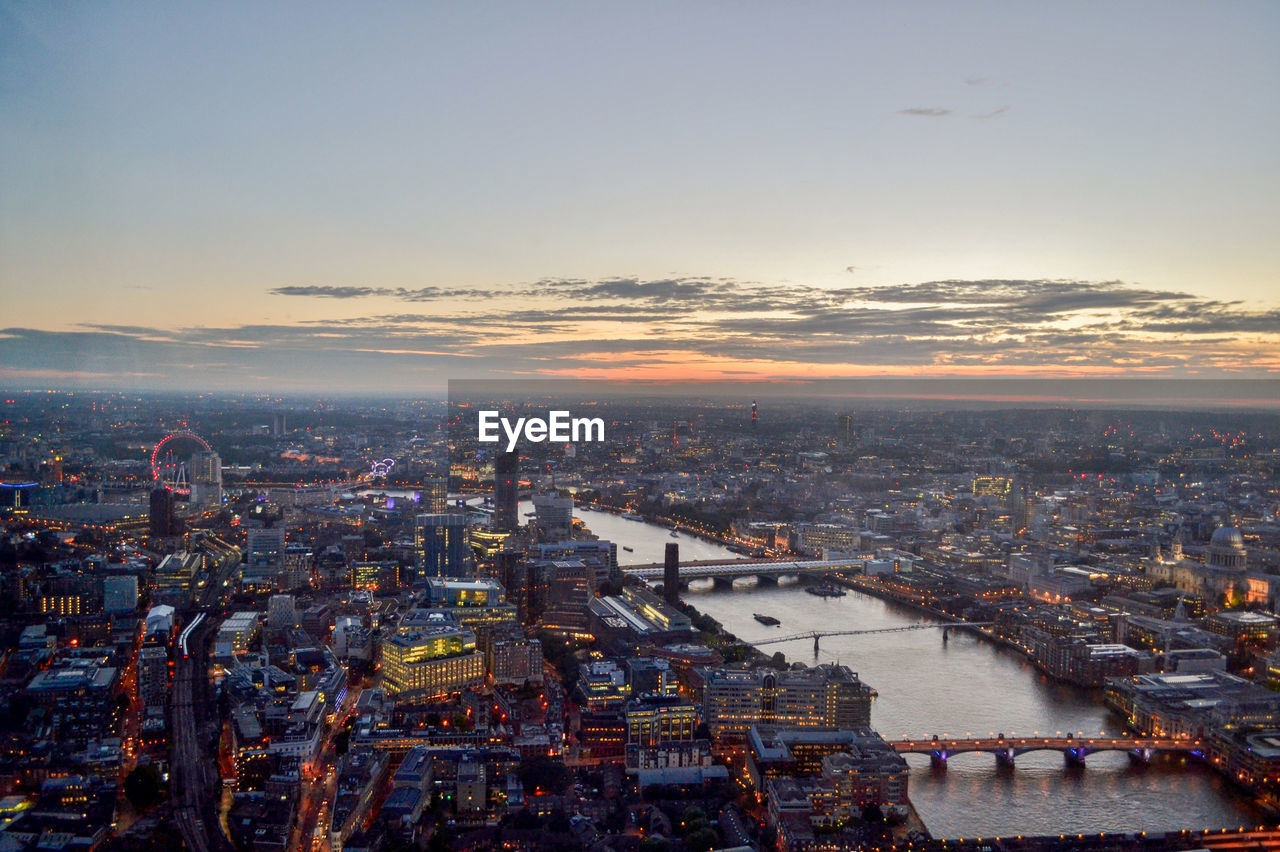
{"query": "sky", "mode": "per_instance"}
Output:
(328, 197)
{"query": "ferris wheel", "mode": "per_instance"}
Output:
(170, 457)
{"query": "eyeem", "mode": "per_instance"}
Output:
(559, 426)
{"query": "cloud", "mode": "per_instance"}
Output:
(332, 292)
(642, 327)
(994, 113)
(926, 112)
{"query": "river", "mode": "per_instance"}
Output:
(648, 542)
(965, 685)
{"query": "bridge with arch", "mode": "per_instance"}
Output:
(724, 572)
(1074, 749)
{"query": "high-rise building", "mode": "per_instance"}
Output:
(296, 572)
(161, 520)
(434, 497)
(554, 516)
(513, 573)
(506, 492)
(440, 544)
(601, 555)
(570, 587)
(464, 593)
(671, 574)
(153, 678)
(206, 478)
(265, 547)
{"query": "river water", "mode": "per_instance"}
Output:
(965, 685)
(648, 542)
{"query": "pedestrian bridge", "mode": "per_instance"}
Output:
(724, 572)
(1074, 749)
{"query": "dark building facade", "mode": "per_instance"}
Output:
(506, 488)
(671, 574)
(161, 514)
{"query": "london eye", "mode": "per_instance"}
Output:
(171, 458)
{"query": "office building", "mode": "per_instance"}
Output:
(662, 734)
(282, 613)
(570, 589)
(176, 577)
(1192, 705)
(264, 548)
(554, 516)
(600, 554)
(827, 695)
(206, 478)
(239, 630)
(434, 496)
(440, 545)
(506, 493)
(161, 521)
(430, 663)
(119, 593)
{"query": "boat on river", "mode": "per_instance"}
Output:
(826, 590)
(766, 619)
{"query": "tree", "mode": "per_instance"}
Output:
(702, 840)
(142, 786)
(545, 773)
(440, 841)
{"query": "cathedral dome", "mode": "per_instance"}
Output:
(1227, 537)
(1226, 549)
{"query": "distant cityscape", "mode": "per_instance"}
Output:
(264, 623)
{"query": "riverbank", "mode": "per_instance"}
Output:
(680, 526)
(869, 587)
(928, 686)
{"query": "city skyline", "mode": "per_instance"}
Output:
(291, 202)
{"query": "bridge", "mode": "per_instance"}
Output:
(1074, 749)
(724, 572)
(816, 635)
